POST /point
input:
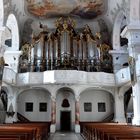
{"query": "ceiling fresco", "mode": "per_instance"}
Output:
(87, 9)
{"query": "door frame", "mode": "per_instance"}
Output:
(70, 118)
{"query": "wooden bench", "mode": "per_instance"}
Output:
(43, 128)
(17, 132)
(109, 131)
(25, 131)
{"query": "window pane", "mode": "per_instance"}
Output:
(88, 107)
(29, 107)
(101, 107)
(43, 107)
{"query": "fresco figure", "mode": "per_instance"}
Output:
(54, 8)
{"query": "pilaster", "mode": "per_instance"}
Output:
(12, 59)
(53, 115)
(77, 114)
(119, 115)
(136, 103)
(119, 58)
(11, 114)
(132, 32)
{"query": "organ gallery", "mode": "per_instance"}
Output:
(67, 48)
(67, 62)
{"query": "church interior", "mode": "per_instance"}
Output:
(69, 65)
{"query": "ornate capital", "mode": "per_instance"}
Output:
(77, 98)
(53, 98)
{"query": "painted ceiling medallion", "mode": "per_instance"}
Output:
(87, 9)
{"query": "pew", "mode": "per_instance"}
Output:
(43, 128)
(20, 133)
(109, 131)
(25, 131)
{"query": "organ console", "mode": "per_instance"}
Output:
(66, 49)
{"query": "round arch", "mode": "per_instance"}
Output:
(92, 88)
(117, 30)
(64, 89)
(12, 25)
(35, 88)
(35, 104)
(65, 106)
(96, 105)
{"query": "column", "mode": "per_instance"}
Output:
(2, 51)
(136, 103)
(132, 32)
(77, 115)
(119, 115)
(53, 115)
(11, 114)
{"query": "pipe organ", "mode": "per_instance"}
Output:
(66, 49)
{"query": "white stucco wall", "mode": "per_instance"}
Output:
(36, 96)
(94, 96)
(59, 99)
(112, 7)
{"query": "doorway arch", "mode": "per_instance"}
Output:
(66, 95)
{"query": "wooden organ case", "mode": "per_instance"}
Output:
(66, 49)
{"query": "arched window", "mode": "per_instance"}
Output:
(6, 37)
(12, 25)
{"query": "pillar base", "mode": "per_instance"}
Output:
(77, 128)
(136, 121)
(10, 119)
(52, 128)
(120, 120)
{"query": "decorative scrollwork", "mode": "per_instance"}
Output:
(65, 24)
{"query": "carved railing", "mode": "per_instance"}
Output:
(21, 118)
(66, 76)
(9, 76)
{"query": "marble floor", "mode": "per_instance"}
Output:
(65, 136)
